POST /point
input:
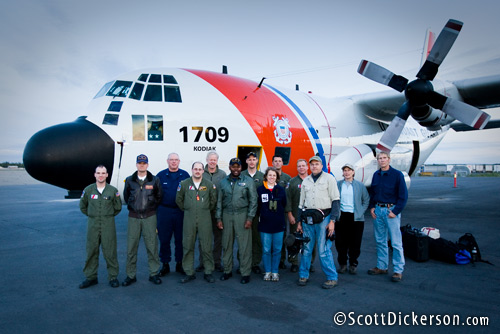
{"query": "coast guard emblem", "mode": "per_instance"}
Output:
(282, 131)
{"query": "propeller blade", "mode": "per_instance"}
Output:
(464, 112)
(382, 75)
(441, 47)
(392, 133)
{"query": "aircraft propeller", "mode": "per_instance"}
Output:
(420, 94)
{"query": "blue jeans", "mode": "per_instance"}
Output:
(317, 233)
(383, 226)
(271, 250)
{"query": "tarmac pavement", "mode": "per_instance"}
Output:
(42, 253)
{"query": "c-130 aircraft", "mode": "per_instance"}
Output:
(161, 110)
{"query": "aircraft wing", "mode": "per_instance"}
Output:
(460, 127)
(380, 106)
(480, 92)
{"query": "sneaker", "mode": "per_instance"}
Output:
(275, 277)
(267, 277)
(353, 270)
(188, 278)
(302, 281)
(376, 271)
(155, 279)
(114, 283)
(397, 277)
(87, 283)
(329, 284)
(342, 269)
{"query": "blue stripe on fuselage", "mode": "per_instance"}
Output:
(312, 131)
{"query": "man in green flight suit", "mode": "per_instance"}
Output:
(258, 178)
(236, 208)
(197, 197)
(100, 202)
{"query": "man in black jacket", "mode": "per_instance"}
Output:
(143, 194)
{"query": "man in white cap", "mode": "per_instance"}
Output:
(319, 202)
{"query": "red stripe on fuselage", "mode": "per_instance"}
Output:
(258, 106)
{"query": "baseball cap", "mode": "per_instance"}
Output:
(348, 166)
(235, 161)
(315, 158)
(251, 154)
(142, 158)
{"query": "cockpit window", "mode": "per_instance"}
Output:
(153, 93)
(110, 119)
(120, 89)
(155, 78)
(103, 90)
(169, 79)
(143, 77)
(115, 106)
(172, 94)
(137, 91)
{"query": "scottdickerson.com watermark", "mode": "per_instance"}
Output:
(410, 319)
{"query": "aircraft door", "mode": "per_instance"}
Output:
(244, 150)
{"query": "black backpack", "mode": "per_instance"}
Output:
(469, 243)
(448, 251)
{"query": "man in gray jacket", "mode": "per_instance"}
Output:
(354, 201)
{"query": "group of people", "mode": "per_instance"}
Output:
(251, 207)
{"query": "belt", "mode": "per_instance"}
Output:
(385, 205)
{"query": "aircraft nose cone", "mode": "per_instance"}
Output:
(67, 154)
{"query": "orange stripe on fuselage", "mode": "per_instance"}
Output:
(259, 106)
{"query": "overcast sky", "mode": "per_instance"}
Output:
(56, 54)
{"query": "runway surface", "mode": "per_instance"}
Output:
(42, 253)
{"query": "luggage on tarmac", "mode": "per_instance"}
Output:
(469, 243)
(415, 244)
(448, 251)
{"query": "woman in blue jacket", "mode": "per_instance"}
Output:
(272, 202)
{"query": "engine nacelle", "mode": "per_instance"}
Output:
(432, 119)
